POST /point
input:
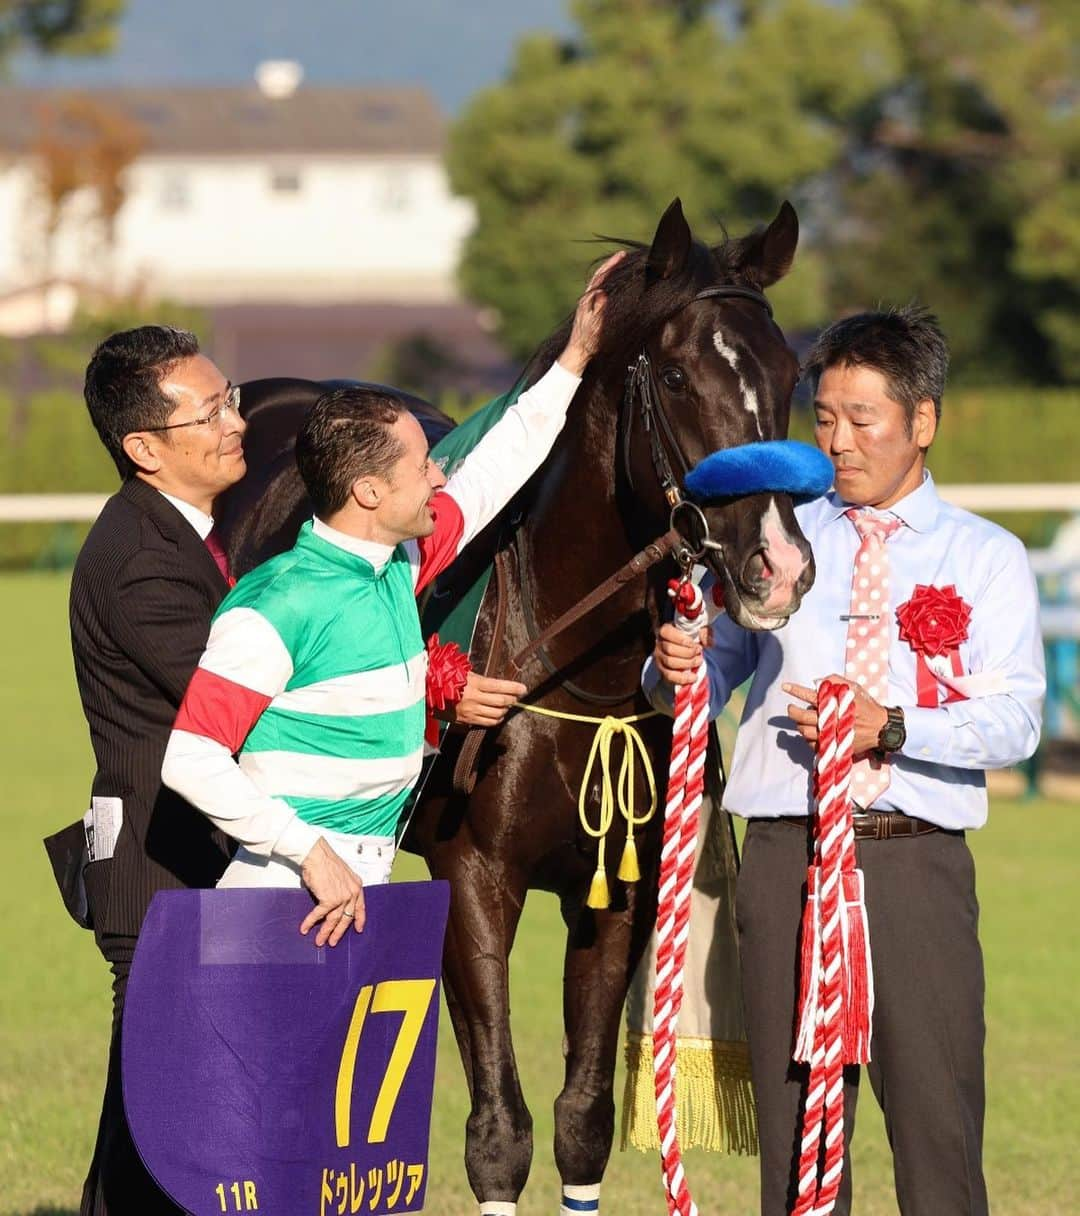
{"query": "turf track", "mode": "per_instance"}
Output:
(54, 1007)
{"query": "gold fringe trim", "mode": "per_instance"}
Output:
(713, 1099)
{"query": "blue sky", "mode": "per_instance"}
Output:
(452, 48)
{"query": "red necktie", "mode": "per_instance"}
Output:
(866, 660)
(221, 559)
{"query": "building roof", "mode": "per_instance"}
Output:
(190, 121)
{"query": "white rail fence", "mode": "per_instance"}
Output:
(50, 508)
(1058, 572)
(1059, 619)
(1007, 496)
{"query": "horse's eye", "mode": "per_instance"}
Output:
(673, 378)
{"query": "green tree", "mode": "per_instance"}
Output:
(60, 27)
(959, 183)
(930, 146)
(595, 134)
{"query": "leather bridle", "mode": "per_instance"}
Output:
(641, 391)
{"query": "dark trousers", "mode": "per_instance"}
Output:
(928, 1030)
(118, 1183)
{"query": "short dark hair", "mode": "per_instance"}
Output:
(906, 345)
(123, 384)
(346, 436)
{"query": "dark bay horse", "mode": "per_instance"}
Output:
(719, 374)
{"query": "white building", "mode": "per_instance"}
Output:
(271, 193)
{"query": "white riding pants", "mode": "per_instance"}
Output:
(369, 857)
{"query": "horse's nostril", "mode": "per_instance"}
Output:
(757, 570)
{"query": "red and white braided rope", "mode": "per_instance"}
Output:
(686, 782)
(832, 956)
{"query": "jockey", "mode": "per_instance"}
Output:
(313, 676)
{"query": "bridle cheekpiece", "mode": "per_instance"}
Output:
(641, 392)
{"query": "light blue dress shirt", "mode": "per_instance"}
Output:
(939, 775)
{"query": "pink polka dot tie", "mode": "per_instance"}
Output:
(869, 635)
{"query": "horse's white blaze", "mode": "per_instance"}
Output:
(749, 394)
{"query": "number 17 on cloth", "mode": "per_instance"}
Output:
(264, 1074)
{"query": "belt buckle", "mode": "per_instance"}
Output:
(877, 820)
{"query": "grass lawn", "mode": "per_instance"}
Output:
(54, 1002)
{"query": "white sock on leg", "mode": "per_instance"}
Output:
(498, 1207)
(580, 1200)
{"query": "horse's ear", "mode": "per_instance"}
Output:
(671, 245)
(768, 255)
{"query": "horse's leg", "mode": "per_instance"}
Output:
(484, 914)
(602, 950)
(460, 1023)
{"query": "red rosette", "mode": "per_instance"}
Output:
(447, 673)
(933, 622)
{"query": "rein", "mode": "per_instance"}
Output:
(653, 553)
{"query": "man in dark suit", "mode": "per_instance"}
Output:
(144, 588)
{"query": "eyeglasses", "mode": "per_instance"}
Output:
(231, 401)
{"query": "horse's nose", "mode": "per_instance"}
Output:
(776, 575)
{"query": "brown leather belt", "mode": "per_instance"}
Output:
(877, 825)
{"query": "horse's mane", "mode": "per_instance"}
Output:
(636, 305)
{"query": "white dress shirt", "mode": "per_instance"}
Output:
(199, 520)
(939, 774)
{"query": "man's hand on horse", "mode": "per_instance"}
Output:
(485, 700)
(588, 326)
(676, 655)
(338, 895)
(870, 715)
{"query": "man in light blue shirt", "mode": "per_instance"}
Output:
(927, 727)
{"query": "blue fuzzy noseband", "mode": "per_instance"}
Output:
(783, 465)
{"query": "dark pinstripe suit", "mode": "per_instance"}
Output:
(142, 594)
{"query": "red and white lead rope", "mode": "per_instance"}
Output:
(836, 995)
(686, 783)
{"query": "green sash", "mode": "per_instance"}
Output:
(454, 619)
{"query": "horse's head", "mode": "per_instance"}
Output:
(718, 374)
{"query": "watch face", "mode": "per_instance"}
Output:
(893, 734)
(892, 737)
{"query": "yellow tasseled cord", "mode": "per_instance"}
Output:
(611, 794)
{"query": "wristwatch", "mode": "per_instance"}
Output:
(894, 733)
